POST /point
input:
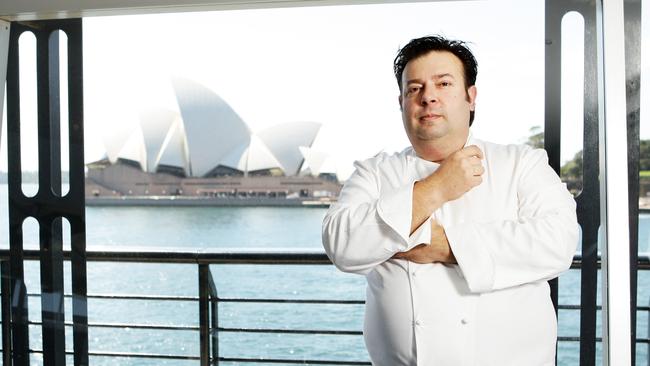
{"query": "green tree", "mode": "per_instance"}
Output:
(572, 169)
(644, 155)
(536, 138)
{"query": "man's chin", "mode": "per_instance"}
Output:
(430, 135)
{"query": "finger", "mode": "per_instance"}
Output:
(475, 162)
(476, 180)
(421, 260)
(472, 150)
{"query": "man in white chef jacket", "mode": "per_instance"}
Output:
(457, 237)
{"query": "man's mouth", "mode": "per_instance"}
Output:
(429, 117)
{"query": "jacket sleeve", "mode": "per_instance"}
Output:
(370, 223)
(538, 245)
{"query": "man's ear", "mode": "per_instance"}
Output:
(471, 96)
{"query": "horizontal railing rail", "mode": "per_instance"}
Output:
(229, 256)
(208, 300)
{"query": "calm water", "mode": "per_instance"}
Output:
(264, 228)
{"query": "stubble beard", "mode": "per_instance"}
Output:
(430, 131)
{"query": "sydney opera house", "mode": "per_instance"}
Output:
(206, 154)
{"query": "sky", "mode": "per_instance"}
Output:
(331, 65)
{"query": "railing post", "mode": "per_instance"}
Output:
(4, 52)
(48, 206)
(17, 207)
(204, 314)
(214, 319)
(6, 312)
(588, 201)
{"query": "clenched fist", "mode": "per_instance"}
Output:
(457, 174)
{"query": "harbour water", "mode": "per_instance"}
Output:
(200, 228)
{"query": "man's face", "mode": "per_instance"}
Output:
(435, 104)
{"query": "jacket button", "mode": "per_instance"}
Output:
(464, 321)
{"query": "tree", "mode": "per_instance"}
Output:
(644, 155)
(536, 138)
(572, 169)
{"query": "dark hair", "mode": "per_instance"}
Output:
(421, 46)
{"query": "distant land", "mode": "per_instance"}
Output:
(30, 177)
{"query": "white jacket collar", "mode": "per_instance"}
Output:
(412, 155)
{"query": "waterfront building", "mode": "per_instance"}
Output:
(208, 155)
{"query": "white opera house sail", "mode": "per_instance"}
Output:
(206, 154)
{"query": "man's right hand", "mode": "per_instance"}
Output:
(457, 174)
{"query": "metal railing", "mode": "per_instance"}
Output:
(208, 301)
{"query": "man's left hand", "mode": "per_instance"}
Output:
(438, 251)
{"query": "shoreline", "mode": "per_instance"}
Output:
(159, 201)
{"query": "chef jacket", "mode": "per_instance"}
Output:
(510, 235)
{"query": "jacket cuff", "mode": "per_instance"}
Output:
(421, 235)
(395, 210)
(474, 260)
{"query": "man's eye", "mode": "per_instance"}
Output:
(412, 90)
(445, 83)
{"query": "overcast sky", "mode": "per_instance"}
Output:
(331, 65)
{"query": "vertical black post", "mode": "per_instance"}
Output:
(17, 206)
(47, 206)
(552, 127)
(588, 201)
(75, 199)
(214, 319)
(204, 314)
(4, 51)
(552, 107)
(6, 312)
(215, 332)
(52, 309)
(49, 158)
(632, 15)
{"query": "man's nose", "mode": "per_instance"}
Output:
(429, 95)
